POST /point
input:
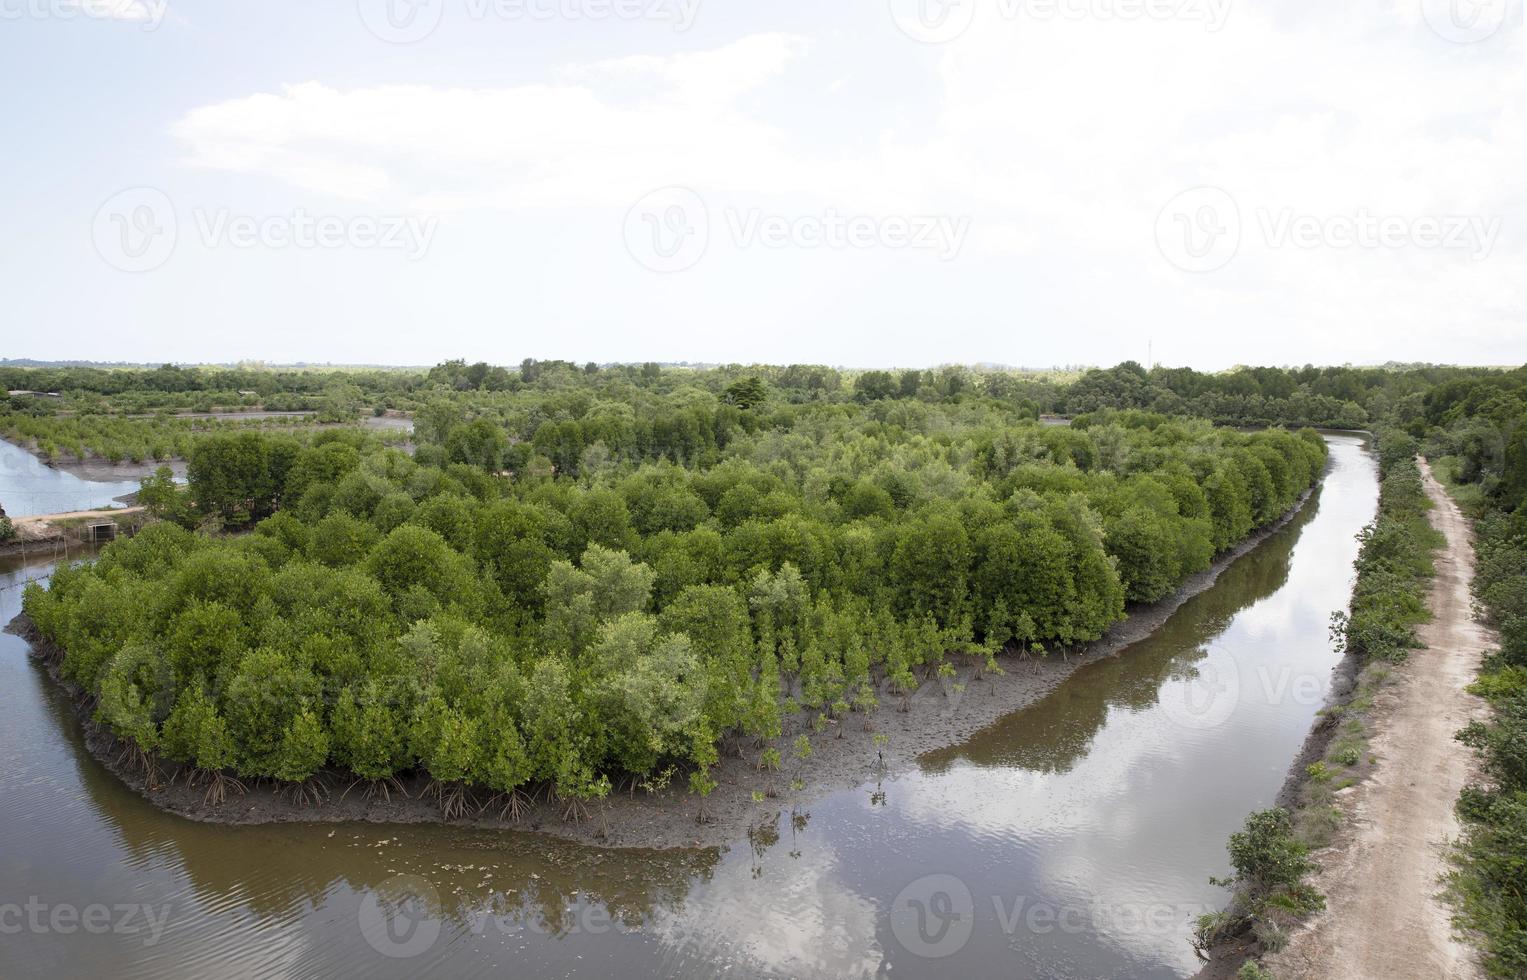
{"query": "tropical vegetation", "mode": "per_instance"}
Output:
(590, 580)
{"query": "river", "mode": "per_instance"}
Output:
(1074, 838)
(29, 487)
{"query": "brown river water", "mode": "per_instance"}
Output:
(1072, 839)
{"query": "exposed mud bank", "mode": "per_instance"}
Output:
(844, 756)
(99, 469)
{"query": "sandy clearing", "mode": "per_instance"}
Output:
(1384, 918)
(101, 512)
(40, 528)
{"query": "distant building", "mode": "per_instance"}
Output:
(22, 392)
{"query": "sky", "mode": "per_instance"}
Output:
(866, 183)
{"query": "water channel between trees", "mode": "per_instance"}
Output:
(1074, 838)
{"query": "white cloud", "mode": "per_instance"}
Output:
(603, 133)
(1060, 138)
(137, 10)
(804, 923)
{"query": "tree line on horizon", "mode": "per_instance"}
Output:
(1336, 397)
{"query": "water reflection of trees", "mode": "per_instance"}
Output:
(1052, 734)
(279, 872)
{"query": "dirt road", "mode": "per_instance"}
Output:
(1383, 919)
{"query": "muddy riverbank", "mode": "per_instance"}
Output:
(1075, 837)
(99, 469)
(941, 713)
